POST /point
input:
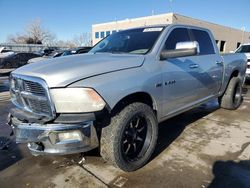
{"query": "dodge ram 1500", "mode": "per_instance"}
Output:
(114, 96)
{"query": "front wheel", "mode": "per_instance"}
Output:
(232, 97)
(130, 139)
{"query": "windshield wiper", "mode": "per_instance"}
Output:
(116, 52)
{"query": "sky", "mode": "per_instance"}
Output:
(67, 19)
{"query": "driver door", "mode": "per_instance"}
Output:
(181, 86)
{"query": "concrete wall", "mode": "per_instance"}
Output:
(130, 23)
(229, 35)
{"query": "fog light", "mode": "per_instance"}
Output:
(70, 136)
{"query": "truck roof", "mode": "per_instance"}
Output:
(245, 44)
(165, 25)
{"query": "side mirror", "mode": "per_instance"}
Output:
(182, 49)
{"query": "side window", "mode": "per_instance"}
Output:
(16, 56)
(32, 56)
(177, 35)
(22, 56)
(204, 40)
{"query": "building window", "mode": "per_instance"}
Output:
(114, 31)
(107, 33)
(97, 35)
(222, 45)
(102, 34)
(238, 44)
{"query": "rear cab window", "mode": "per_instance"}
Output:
(204, 41)
(243, 49)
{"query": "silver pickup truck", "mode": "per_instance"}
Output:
(245, 48)
(115, 96)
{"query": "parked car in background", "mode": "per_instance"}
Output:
(4, 50)
(79, 50)
(245, 48)
(47, 51)
(59, 53)
(15, 60)
(4, 53)
(53, 54)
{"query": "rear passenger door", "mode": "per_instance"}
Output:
(209, 70)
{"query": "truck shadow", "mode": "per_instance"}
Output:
(231, 174)
(9, 153)
(171, 129)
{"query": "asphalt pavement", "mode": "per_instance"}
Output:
(204, 147)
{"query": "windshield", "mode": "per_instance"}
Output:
(243, 49)
(134, 41)
(67, 52)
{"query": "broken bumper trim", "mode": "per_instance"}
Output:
(45, 139)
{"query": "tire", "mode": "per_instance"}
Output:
(232, 98)
(130, 139)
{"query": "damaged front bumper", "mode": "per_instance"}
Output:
(55, 138)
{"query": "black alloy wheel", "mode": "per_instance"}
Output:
(136, 138)
(129, 140)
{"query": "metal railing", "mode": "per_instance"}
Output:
(24, 47)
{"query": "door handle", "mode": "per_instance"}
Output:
(193, 66)
(219, 62)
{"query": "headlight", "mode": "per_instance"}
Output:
(76, 100)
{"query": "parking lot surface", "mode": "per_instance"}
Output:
(204, 147)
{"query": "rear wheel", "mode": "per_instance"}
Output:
(232, 97)
(129, 141)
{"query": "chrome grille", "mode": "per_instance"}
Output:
(39, 106)
(31, 94)
(34, 88)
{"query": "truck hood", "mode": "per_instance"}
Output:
(62, 71)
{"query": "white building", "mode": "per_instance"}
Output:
(227, 38)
